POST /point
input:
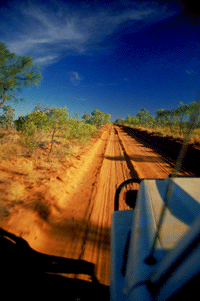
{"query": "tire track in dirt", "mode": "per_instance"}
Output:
(113, 172)
(96, 247)
(146, 162)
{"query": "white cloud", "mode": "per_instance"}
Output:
(46, 60)
(191, 72)
(50, 32)
(75, 78)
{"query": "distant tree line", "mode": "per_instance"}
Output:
(175, 119)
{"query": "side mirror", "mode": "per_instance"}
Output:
(131, 196)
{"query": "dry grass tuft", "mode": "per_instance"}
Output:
(16, 191)
(10, 150)
(27, 167)
(9, 144)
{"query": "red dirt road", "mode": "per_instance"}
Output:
(81, 230)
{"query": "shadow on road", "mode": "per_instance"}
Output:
(27, 273)
(137, 158)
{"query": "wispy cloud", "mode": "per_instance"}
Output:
(48, 32)
(191, 72)
(46, 60)
(75, 78)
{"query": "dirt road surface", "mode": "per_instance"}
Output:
(81, 229)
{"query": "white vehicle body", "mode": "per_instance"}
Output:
(177, 249)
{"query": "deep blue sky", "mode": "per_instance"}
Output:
(116, 56)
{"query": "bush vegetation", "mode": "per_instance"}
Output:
(46, 128)
(175, 122)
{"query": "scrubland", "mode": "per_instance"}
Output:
(35, 166)
(175, 134)
(176, 123)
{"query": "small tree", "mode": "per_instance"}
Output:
(99, 118)
(57, 119)
(194, 113)
(151, 122)
(128, 119)
(118, 121)
(143, 116)
(39, 107)
(182, 111)
(7, 118)
(86, 117)
(32, 128)
(160, 117)
(40, 120)
(166, 118)
(15, 72)
(76, 116)
(106, 119)
(172, 120)
(19, 122)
